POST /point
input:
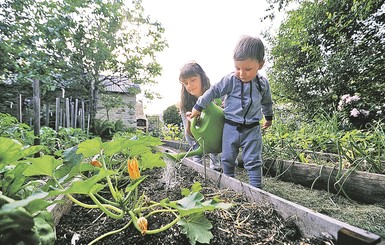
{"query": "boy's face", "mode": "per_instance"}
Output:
(246, 70)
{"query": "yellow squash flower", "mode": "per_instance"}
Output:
(133, 169)
(96, 163)
(142, 224)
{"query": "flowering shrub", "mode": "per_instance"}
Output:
(355, 111)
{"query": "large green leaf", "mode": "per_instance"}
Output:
(22, 203)
(85, 186)
(13, 180)
(90, 148)
(44, 228)
(10, 151)
(152, 160)
(31, 150)
(44, 165)
(197, 228)
(114, 146)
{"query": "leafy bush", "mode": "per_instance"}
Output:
(59, 141)
(106, 129)
(11, 128)
(171, 116)
(172, 132)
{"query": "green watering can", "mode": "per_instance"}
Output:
(207, 131)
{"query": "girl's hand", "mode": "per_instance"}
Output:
(188, 116)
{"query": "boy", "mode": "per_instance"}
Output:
(248, 99)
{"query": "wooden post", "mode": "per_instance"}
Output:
(83, 117)
(67, 113)
(36, 111)
(88, 124)
(20, 108)
(72, 109)
(47, 114)
(62, 117)
(76, 112)
(57, 115)
(348, 237)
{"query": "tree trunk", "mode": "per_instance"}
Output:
(94, 95)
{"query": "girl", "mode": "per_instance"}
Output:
(194, 83)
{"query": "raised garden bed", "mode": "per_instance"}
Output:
(257, 217)
(244, 223)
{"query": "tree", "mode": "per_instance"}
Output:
(111, 101)
(327, 49)
(171, 116)
(79, 46)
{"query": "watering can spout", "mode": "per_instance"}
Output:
(180, 156)
(207, 131)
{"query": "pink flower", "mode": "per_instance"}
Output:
(355, 112)
(352, 99)
(344, 97)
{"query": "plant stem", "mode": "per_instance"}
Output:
(105, 210)
(110, 233)
(85, 205)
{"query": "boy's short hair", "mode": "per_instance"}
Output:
(249, 48)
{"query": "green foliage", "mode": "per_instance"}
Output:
(172, 132)
(155, 125)
(110, 101)
(11, 128)
(43, 40)
(106, 129)
(18, 226)
(171, 116)
(293, 137)
(23, 212)
(327, 49)
(23, 203)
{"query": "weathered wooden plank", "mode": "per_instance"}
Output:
(360, 186)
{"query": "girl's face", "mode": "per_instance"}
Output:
(193, 85)
(246, 70)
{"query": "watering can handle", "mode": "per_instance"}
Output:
(194, 122)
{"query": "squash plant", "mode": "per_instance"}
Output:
(109, 173)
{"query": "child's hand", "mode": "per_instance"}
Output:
(188, 116)
(194, 113)
(267, 124)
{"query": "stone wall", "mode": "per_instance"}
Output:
(127, 113)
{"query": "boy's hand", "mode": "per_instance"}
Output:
(194, 113)
(267, 124)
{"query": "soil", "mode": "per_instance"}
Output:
(243, 223)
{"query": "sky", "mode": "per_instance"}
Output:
(202, 30)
